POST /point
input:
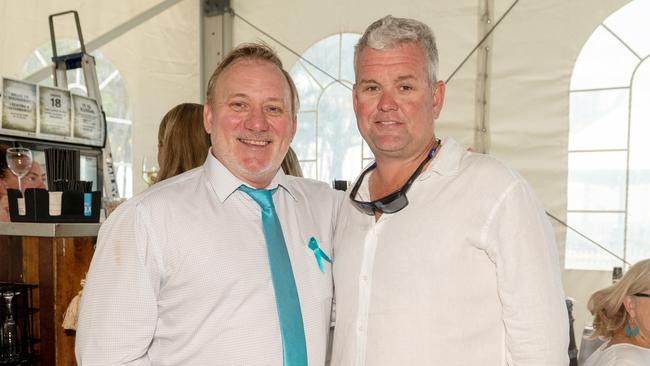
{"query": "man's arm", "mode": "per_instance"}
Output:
(118, 311)
(520, 240)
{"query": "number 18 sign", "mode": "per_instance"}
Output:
(55, 109)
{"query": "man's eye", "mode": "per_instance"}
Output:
(274, 109)
(372, 88)
(405, 88)
(238, 106)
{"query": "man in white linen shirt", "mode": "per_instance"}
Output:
(464, 272)
(181, 272)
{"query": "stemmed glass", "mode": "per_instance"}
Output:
(19, 161)
(150, 169)
(10, 330)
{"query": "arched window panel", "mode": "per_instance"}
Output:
(638, 222)
(339, 141)
(599, 119)
(348, 41)
(327, 142)
(304, 143)
(640, 119)
(309, 90)
(326, 54)
(604, 62)
(639, 176)
(631, 24)
(609, 169)
(597, 181)
(602, 227)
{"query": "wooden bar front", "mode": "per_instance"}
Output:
(55, 257)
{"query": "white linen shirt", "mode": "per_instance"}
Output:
(181, 276)
(621, 354)
(467, 274)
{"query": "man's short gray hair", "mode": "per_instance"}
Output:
(389, 32)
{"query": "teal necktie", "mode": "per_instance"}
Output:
(294, 347)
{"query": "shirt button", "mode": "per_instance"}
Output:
(364, 278)
(361, 328)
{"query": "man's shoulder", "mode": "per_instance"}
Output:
(490, 168)
(308, 185)
(313, 190)
(169, 189)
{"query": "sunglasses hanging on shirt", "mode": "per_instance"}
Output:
(395, 201)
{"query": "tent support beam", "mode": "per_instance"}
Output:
(216, 37)
(481, 118)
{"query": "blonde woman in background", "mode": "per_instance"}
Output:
(183, 143)
(622, 316)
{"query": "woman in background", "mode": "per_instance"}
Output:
(622, 316)
(183, 143)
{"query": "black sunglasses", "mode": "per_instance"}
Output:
(641, 295)
(395, 201)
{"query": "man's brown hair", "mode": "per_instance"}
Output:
(253, 51)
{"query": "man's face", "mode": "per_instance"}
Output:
(394, 102)
(250, 121)
(35, 178)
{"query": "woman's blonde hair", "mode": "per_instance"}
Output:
(291, 165)
(183, 143)
(607, 306)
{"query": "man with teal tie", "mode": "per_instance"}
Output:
(225, 264)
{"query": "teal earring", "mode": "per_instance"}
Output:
(631, 332)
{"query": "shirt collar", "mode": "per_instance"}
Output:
(447, 159)
(445, 162)
(224, 183)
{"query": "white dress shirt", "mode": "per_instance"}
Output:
(181, 276)
(467, 274)
(622, 354)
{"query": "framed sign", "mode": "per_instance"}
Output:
(49, 113)
(18, 106)
(87, 118)
(55, 110)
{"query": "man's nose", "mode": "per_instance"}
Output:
(387, 102)
(256, 120)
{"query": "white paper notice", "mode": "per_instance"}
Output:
(55, 109)
(18, 105)
(87, 118)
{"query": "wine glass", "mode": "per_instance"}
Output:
(19, 161)
(150, 169)
(10, 330)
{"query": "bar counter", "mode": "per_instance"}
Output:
(55, 257)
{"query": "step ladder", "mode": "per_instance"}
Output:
(85, 61)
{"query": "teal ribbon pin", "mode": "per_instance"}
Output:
(318, 253)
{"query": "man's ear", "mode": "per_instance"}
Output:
(207, 117)
(354, 98)
(438, 98)
(294, 120)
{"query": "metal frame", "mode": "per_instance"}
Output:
(112, 34)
